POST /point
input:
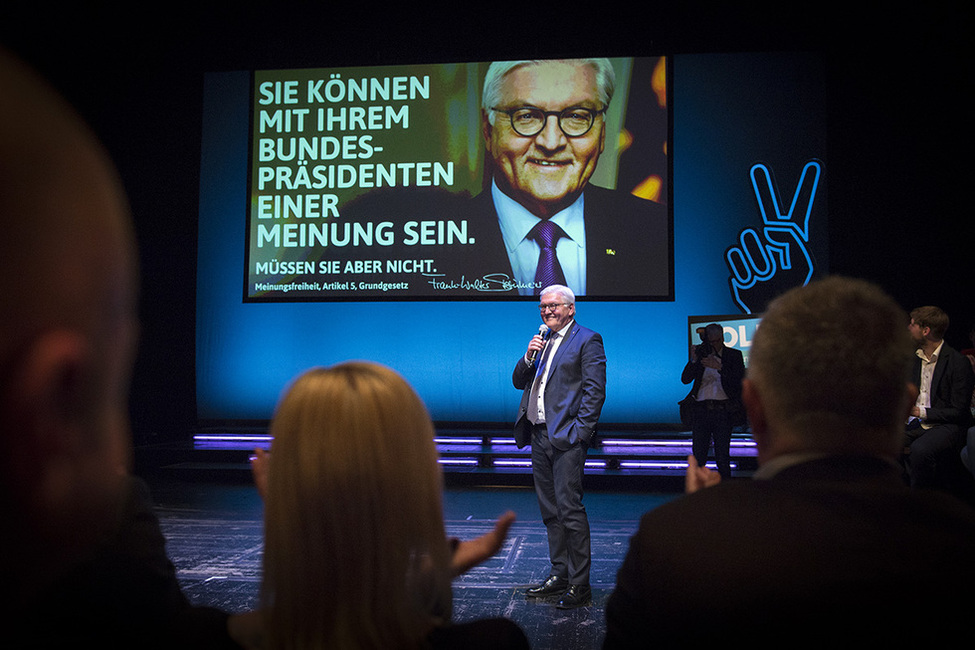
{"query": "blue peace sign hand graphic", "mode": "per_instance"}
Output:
(766, 264)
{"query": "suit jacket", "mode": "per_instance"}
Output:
(628, 243)
(732, 372)
(126, 596)
(574, 393)
(835, 549)
(951, 389)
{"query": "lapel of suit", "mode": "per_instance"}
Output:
(564, 345)
(486, 231)
(609, 249)
(939, 368)
(596, 241)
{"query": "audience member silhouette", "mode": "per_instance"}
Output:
(826, 544)
(356, 554)
(84, 560)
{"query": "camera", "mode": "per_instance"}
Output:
(703, 349)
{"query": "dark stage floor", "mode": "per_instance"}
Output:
(214, 533)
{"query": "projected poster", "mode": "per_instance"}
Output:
(738, 331)
(749, 175)
(428, 182)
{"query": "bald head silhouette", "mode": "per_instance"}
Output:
(67, 332)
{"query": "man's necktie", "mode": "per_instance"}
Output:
(549, 271)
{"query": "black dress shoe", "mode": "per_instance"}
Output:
(553, 586)
(575, 596)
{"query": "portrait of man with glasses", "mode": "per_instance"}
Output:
(544, 129)
(534, 218)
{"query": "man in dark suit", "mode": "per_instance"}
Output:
(563, 379)
(826, 543)
(941, 415)
(544, 130)
(716, 371)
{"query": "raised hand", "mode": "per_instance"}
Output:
(470, 553)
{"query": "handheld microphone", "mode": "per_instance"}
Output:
(542, 331)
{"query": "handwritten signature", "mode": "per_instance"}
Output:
(491, 282)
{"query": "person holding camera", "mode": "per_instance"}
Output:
(716, 372)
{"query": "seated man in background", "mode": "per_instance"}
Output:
(826, 543)
(935, 430)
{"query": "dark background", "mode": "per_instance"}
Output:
(899, 132)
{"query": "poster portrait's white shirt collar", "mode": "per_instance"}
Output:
(516, 222)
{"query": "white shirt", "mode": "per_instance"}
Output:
(516, 222)
(553, 344)
(710, 387)
(927, 372)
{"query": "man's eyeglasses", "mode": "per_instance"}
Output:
(529, 122)
(545, 306)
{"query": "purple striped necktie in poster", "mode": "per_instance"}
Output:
(549, 271)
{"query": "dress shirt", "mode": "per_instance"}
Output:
(516, 222)
(927, 372)
(553, 344)
(711, 387)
